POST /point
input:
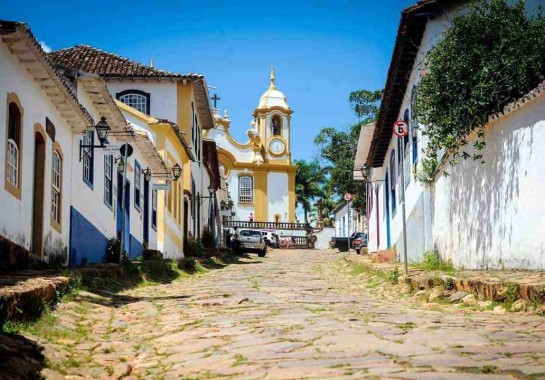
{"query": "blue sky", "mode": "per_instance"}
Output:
(321, 49)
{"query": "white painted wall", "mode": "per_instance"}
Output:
(163, 95)
(16, 215)
(277, 195)
(492, 215)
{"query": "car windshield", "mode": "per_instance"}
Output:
(250, 233)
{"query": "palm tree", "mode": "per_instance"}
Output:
(309, 182)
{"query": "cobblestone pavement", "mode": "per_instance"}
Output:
(291, 315)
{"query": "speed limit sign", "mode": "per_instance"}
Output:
(401, 128)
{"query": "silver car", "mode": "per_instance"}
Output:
(252, 241)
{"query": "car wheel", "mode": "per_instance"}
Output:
(358, 251)
(262, 253)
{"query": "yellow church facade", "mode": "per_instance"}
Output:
(259, 173)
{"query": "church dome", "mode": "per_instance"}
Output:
(273, 97)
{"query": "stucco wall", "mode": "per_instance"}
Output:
(491, 215)
(163, 95)
(16, 215)
(277, 195)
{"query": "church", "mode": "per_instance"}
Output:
(259, 173)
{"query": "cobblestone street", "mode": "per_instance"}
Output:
(291, 315)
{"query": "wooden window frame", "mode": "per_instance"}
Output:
(56, 223)
(15, 190)
(108, 181)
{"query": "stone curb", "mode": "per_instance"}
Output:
(481, 288)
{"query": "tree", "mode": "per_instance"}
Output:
(491, 55)
(338, 148)
(309, 182)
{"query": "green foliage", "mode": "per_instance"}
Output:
(337, 148)
(187, 264)
(433, 262)
(510, 295)
(393, 276)
(492, 55)
(112, 250)
(309, 183)
(449, 283)
(193, 247)
(207, 239)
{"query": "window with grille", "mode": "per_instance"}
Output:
(108, 182)
(56, 181)
(88, 158)
(13, 143)
(246, 189)
(136, 101)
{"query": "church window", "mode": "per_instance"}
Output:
(136, 99)
(246, 189)
(56, 182)
(276, 125)
(13, 159)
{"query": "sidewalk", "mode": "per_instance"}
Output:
(24, 294)
(494, 285)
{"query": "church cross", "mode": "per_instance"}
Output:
(215, 98)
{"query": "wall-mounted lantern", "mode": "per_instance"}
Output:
(103, 130)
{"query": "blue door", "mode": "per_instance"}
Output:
(127, 229)
(387, 208)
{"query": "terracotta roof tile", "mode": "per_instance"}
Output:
(92, 60)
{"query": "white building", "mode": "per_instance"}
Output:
(482, 215)
(259, 173)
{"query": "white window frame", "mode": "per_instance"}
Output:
(13, 163)
(108, 180)
(88, 139)
(136, 101)
(245, 189)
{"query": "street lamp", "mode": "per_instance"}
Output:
(120, 164)
(103, 130)
(211, 190)
(176, 171)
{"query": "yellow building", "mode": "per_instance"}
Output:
(259, 173)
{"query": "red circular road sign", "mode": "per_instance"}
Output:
(401, 128)
(348, 197)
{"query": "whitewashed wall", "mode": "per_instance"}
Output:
(277, 195)
(163, 95)
(16, 215)
(492, 215)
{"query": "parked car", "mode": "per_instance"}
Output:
(359, 241)
(271, 239)
(252, 241)
(341, 243)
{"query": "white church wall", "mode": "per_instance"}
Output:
(277, 195)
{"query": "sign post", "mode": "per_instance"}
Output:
(401, 130)
(348, 198)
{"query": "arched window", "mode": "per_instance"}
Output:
(56, 188)
(414, 126)
(13, 151)
(393, 181)
(136, 99)
(276, 125)
(246, 189)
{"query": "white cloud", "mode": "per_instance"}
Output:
(45, 47)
